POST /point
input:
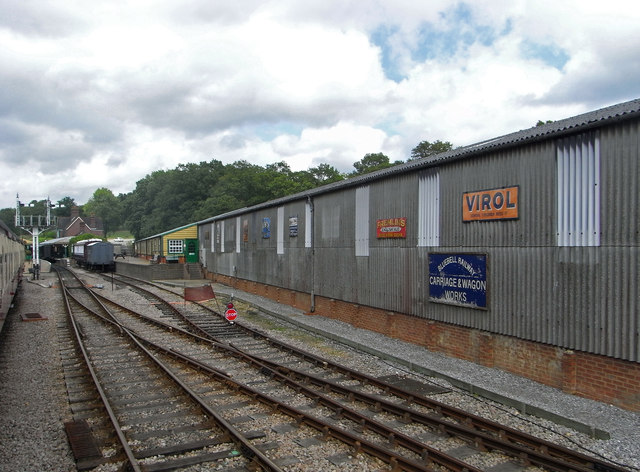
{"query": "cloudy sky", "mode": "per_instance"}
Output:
(101, 93)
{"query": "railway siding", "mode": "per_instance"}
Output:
(292, 334)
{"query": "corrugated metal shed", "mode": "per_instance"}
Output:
(563, 273)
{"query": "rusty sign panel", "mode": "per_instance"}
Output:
(197, 294)
(494, 204)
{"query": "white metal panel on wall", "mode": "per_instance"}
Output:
(222, 236)
(362, 221)
(429, 209)
(238, 234)
(578, 170)
(308, 225)
(280, 231)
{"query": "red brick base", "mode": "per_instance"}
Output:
(591, 376)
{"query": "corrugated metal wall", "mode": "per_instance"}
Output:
(238, 247)
(148, 247)
(581, 296)
(578, 176)
(429, 210)
(362, 221)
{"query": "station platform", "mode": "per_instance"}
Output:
(145, 269)
(134, 260)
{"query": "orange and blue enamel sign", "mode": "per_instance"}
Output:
(494, 204)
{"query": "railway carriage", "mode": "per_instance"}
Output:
(94, 254)
(12, 256)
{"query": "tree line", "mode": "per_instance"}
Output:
(167, 199)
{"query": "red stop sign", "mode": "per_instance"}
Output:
(231, 314)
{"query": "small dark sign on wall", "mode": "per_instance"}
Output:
(458, 279)
(266, 228)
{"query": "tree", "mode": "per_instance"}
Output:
(63, 207)
(8, 216)
(542, 123)
(426, 149)
(192, 192)
(106, 206)
(325, 174)
(371, 163)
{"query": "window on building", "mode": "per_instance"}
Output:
(176, 246)
(578, 168)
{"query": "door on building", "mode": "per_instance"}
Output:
(191, 250)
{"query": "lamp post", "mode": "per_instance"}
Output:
(34, 224)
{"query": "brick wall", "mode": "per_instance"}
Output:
(151, 271)
(591, 376)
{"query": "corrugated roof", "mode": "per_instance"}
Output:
(579, 123)
(621, 111)
(51, 242)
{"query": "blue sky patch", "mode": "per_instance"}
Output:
(550, 54)
(269, 131)
(433, 41)
(380, 37)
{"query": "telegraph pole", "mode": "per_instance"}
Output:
(34, 224)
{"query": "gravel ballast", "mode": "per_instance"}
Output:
(33, 404)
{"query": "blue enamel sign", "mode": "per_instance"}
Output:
(266, 228)
(458, 279)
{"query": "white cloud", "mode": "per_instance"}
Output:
(338, 145)
(106, 93)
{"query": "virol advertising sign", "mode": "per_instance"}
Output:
(493, 204)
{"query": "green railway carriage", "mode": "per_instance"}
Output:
(12, 257)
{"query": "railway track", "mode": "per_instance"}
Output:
(160, 423)
(253, 384)
(409, 425)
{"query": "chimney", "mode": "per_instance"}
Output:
(75, 211)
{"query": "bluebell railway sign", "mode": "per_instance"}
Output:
(266, 228)
(293, 226)
(458, 279)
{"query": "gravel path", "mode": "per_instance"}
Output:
(33, 405)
